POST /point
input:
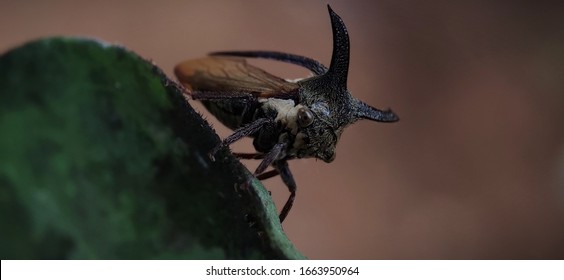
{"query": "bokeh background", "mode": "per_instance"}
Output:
(475, 167)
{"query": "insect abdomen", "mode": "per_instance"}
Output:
(232, 114)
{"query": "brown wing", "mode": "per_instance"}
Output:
(226, 76)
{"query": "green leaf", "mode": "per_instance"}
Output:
(101, 157)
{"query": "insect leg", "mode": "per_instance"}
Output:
(249, 155)
(283, 169)
(270, 158)
(288, 179)
(263, 176)
(268, 174)
(246, 130)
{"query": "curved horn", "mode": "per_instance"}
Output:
(339, 68)
(311, 64)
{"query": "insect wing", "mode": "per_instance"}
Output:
(231, 76)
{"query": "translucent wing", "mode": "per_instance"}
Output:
(217, 77)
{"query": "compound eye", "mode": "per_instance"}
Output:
(305, 117)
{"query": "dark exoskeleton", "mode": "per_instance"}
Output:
(286, 119)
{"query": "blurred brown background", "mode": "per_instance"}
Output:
(475, 167)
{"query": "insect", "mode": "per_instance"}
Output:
(287, 120)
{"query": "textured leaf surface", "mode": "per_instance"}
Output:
(102, 158)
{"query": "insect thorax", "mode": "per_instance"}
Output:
(235, 114)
